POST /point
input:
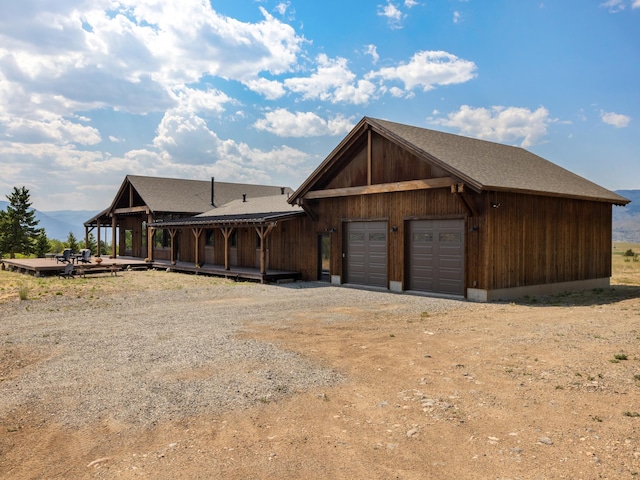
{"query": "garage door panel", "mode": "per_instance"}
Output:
(367, 253)
(442, 270)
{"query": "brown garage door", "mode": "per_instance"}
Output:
(366, 259)
(436, 256)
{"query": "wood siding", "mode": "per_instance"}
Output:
(395, 208)
(389, 163)
(531, 240)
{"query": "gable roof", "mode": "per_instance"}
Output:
(483, 165)
(181, 196)
(192, 196)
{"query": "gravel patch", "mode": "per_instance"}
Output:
(153, 356)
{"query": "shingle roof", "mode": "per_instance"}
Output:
(193, 196)
(253, 210)
(253, 205)
(481, 164)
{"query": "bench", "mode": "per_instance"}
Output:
(83, 269)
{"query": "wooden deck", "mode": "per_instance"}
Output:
(49, 266)
(235, 273)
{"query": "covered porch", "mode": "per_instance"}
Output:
(241, 246)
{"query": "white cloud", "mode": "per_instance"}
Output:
(282, 7)
(56, 130)
(427, 69)
(615, 119)
(499, 124)
(333, 81)
(196, 100)
(615, 6)
(270, 89)
(284, 123)
(392, 13)
(185, 140)
(373, 51)
(456, 17)
(410, 3)
(133, 55)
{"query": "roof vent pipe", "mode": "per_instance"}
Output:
(213, 181)
(281, 190)
(244, 197)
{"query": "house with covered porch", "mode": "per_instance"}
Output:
(131, 222)
(399, 208)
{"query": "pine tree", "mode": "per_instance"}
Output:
(93, 245)
(42, 244)
(18, 230)
(72, 242)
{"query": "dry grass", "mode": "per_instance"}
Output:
(95, 287)
(626, 270)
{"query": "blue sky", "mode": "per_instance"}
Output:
(261, 91)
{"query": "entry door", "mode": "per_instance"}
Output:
(436, 256)
(324, 257)
(366, 261)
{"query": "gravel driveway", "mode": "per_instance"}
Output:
(170, 354)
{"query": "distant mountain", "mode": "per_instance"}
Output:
(626, 220)
(57, 224)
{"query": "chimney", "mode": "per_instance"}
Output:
(213, 181)
(244, 197)
(281, 190)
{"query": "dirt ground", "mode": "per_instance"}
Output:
(501, 391)
(535, 390)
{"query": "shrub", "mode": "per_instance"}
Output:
(629, 253)
(23, 293)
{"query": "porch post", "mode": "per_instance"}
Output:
(226, 232)
(263, 233)
(196, 233)
(150, 236)
(98, 227)
(114, 225)
(172, 233)
(150, 233)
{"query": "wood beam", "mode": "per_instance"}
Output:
(226, 232)
(98, 227)
(369, 156)
(196, 233)
(150, 234)
(309, 212)
(172, 234)
(131, 210)
(382, 188)
(114, 226)
(263, 232)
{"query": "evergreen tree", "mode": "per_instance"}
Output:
(105, 249)
(93, 245)
(72, 242)
(18, 230)
(42, 244)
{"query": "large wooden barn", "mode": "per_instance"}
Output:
(394, 207)
(409, 209)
